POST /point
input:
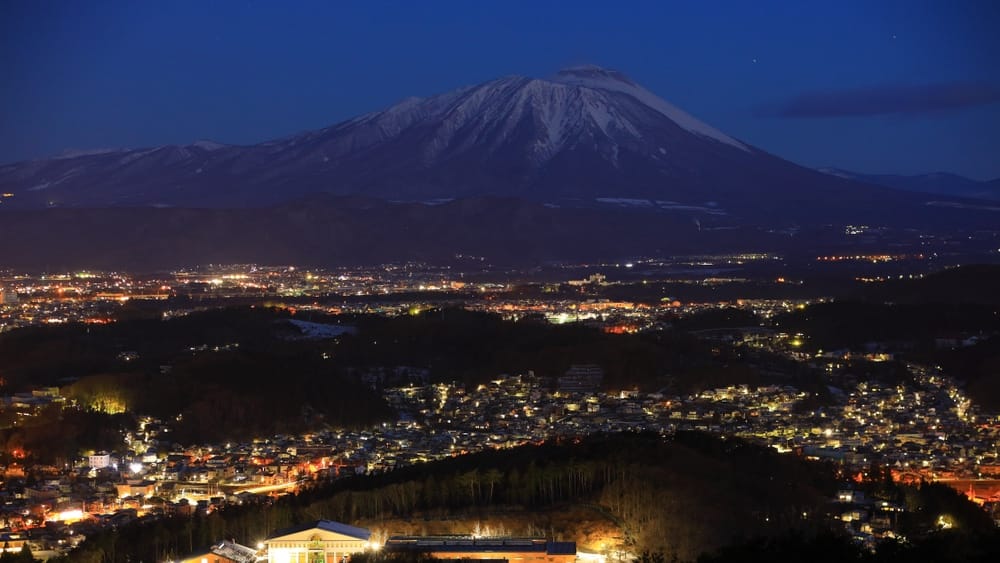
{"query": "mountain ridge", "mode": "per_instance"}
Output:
(942, 183)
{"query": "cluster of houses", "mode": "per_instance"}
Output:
(925, 427)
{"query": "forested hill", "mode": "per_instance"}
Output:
(975, 283)
(680, 496)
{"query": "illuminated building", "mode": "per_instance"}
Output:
(7, 297)
(136, 488)
(515, 550)
(100, 460)
(323, 541)
(12, 542)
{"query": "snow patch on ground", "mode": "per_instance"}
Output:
(835, 172)
(709, 208)
(134, 155)
(697, 208)
(626, 202)
(321, 331)
(957, 205)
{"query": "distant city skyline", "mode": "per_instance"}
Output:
(891, 87)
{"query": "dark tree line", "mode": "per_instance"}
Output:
(852, 324)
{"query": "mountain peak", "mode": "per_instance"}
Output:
(574, 74)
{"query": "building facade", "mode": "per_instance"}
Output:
(100, 460)
(324, 541)
(468, 548)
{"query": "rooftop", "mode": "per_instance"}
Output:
(329, 526)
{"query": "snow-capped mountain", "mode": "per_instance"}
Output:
(586, 136)
(586, 164)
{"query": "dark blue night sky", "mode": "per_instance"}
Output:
(871, 86)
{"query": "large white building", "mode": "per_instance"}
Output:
(323, 541)
(100, 460)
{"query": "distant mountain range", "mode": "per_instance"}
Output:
(587, 151)
(941, 183)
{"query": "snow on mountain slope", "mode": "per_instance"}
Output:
(598, 78)
(586, 133)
